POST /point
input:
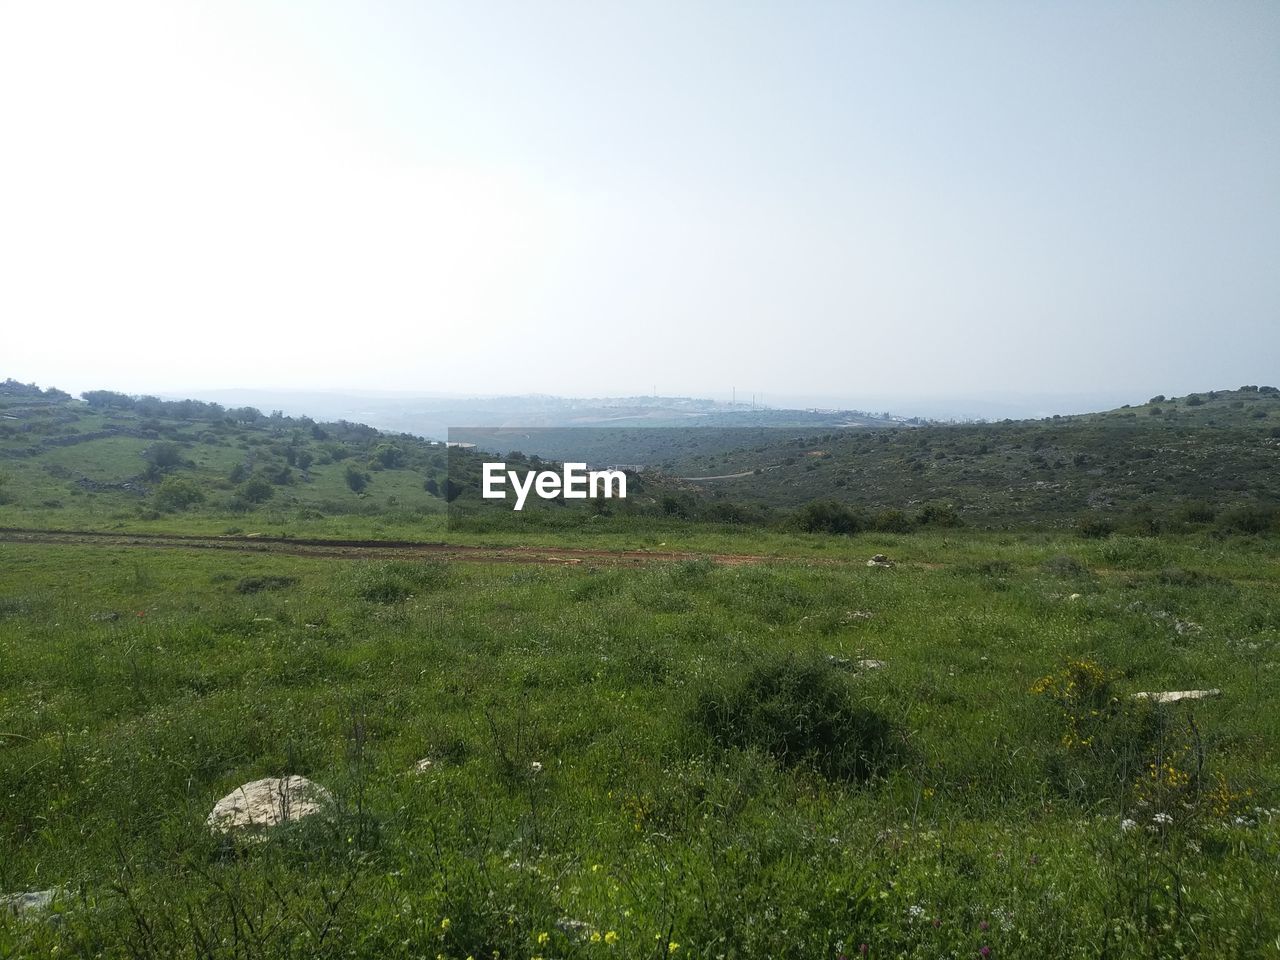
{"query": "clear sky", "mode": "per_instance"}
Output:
(796, 198)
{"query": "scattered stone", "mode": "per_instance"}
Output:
(579, 931)
(851, 616)
(28, 902)
(268, 802)
(423, 766)
(264, 620)
(1175, 696)
(1075, 596)
(535, 767)
(845, 663)
(880, 560)
(109, 617)
(1184, 627)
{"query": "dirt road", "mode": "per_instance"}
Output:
(363, 549)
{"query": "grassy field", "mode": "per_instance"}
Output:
(687, 759)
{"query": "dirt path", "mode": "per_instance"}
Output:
(365, 549)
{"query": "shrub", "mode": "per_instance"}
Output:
(397, 580)
(256, 490)
(267, 582)
(177, 493)
(1197, 511)
(827, 516)
(164, 455)
(893, 521)
(801, 713)
(938, 515)
(1246, 519)
(1095, 528)
(1063, 566)
(356, 478)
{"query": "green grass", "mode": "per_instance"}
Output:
(644, 819)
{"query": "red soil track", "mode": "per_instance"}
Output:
(363, 549)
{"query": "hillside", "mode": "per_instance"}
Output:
(116, 458)
(1207, 461)
(1172, 462)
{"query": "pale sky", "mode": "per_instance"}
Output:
(587, 198)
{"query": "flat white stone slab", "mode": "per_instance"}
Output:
(1174, 696)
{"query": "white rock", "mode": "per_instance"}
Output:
(268, 803)
(28, 901)
(1174, 696)
(424, 765)
(870, 664)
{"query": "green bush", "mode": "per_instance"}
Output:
(827, 516)
(177, 493)
(1247, 519)
(397, 580)
(801, 712)
(1095, 528)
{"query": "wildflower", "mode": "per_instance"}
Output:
(1126, 825)
(673, 947)
(595, 936)
(535, 767)
(544, 938)
(1162, 818)
(445, 924)
(863, 949)
(984, 926)
(611, 937)
(985, 951)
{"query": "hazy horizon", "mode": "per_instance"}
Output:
(843, 201)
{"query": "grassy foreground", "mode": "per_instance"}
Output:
(684, 759)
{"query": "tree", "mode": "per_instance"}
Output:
(356, 478)
(388, 456)
(102, 399)
(164, 455)
(257, 490)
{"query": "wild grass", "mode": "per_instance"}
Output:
(681, 759)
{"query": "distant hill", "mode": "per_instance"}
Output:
(1202, 461)
(433, 417)
(1178, 461)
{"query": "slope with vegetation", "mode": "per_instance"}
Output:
(1201, 462)
(982, 746)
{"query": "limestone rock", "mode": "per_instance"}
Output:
(268, 803)
(1176, 696)
(27, 902)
